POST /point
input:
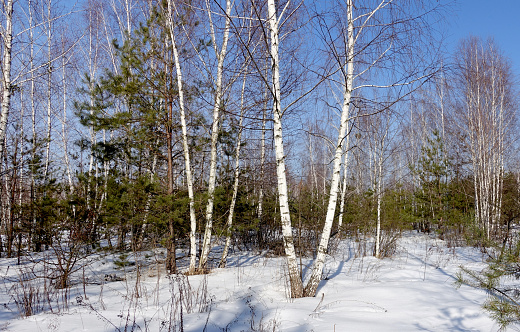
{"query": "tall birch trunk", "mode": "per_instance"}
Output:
(379, 180)
(49, 90)
(64, 127)
(185, 146)
(262, 161)
(294, 273)
(92, 59)
(229, 222)
(33, 116)
(262, 150)
(221, 55)
(7, 88)
(314, 176)
(317, 268)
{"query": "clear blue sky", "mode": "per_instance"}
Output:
(499, 19)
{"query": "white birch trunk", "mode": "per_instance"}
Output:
(314, 179)
(379, 177)
(185, 146)
(294, 273)
(262, 151)
(317, 268)
(262, 147)
(64, 132)
(262, 161)
(221, 55)
(229, 222)
(49, 90)
(345, 181)
(7, 38)
(92, 72)
(33, 110)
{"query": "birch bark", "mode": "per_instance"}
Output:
(262, 149)
(486, 121)
(229, 222)
(49, 89)
(64, 131)
(317, 268)
(6, 33)
(295, 280)
(185, 146)
(345, 180)
(221, 55)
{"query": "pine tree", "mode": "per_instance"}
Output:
(148, 126)
(433, 171)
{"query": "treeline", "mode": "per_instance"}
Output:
(131, 124)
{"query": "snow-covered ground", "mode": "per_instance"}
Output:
(412, 291)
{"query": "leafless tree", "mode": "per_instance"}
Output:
(485, 113)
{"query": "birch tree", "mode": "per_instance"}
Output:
(368, 36)
(486, 117)
(6, 33)
(348, 76)
(295, 279)
(236, 175)
(218, 104)
(172, 12)
(47, 10)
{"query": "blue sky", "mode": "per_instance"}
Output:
(499, 19)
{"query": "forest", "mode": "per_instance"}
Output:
(210, 127)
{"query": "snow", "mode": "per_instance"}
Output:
(412, 291)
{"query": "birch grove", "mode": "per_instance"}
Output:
(200, 129)
(486, 117)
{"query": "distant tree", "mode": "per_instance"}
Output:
(485, 114)
(433, 170)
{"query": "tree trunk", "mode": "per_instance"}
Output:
(221, 55)
(345, 181)
(294, 273)
(49, 91)
(7, 88)
(65, 135)
(185, 146)
(236, 175)
(317, 268)
(379, 180)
